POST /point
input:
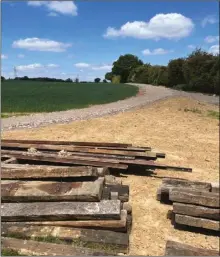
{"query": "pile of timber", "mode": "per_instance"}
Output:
(195, 204)
(112, 155)
(178, 249)
(63, 210)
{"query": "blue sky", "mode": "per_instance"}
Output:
(65, 39)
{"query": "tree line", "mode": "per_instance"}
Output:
(96, 80)
(198, 72)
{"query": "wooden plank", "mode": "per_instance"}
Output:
(54, 142)
(27, 191)
(43, 211)
(31, 247)
(76, 237)
(122, 190)
(98, 162)
(196, 211)
(20, 171)
(70, 148)
(10, 160)
(197, 222)
(164, 191)
(112, 180)
(203, 198)
(178, 249)
(113, 225)
(186, 183)
(127, 206)
(215, 188)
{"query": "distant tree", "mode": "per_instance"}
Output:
(108, 76)
(25, 78)
(124, 65)
(2, 78)
(105, 81)
(76, 80)
(97, 80)
(175, 72)
(69, 80)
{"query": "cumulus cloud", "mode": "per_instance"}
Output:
(210, 19)
(38, 44)
(169, 26)
(214, 49)
(52, 14)
(82, 65)
(35, 66)
(93, 67)
(61, 7)
(102, 67)
(211, 39)
(21, 56)
(3, 56)
(157, 51)
(191, 46)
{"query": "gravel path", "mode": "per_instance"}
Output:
(148, 95)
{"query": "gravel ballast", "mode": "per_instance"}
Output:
(149, 94)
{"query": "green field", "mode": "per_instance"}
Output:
(36, 96)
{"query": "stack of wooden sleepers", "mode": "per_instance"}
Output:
(195, 204)
(55, 208)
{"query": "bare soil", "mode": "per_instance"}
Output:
(182, 129)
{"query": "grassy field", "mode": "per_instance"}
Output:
(34, 96)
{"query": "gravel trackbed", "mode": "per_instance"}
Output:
(148, 94)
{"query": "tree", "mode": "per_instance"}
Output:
(2, 78)
(108, 76)
(105, 81)
(69, 80)
(124, 65)
(97, 80)
(175, 72)
(76, 80)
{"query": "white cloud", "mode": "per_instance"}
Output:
(169, 26)
(3, 56)
(82, 65)
(210, 19)
(29, 67)
(102, 67)
(38, 44)
(211, 39)
(21, 56)
(61, 7)
(35, 66)
(214, 49)
(51, 65)
(52, 14)
(157, 51)
(191, 46)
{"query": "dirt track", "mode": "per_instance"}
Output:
(189, 139)
(148, 94)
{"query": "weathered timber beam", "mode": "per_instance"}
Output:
(20, 171)
(178, 249)
(112, 180)
(163, 191)
(203, 198)
(187, 183)
(196, 211)
(65, 143)
(33, 191)
(215, 188)
(70, 148)
(111, 224)
(43, 211)
(197, 222)
(54, 158)
(122, 190)
(76, 237)
(10, 160)
(31, 247)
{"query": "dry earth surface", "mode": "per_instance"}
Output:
(188, 138)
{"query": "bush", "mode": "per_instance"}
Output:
(175, 72)
(116, 79)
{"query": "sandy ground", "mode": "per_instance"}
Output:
(189, 139)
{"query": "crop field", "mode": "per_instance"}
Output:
(35, 96)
